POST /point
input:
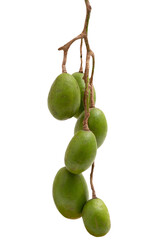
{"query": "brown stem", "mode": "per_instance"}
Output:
(81, 59)
(86, 94)
(86, 74)
(91, 82)
(81, 36)
(64, 61)
(91, 182)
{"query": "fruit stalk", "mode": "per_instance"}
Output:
(91, 182)
(81, 59)
(91, 82)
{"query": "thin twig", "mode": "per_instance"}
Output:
(86, 94)
(91, 82)
(81, 59)
(91, 182)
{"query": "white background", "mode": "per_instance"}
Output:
(125, 36)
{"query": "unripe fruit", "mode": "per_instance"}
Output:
(97, 124)
(96, 217)
(80, 152)
(70, 193)
(79, 78)
(64, 97)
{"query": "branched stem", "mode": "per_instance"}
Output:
(65, 49)
(88, 82)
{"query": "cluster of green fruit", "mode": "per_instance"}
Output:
(70, 191)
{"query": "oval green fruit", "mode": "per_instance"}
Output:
(64, 97)
(96, 217)
(80, 152)
(97, 124)
(70, 193)
(79, 78)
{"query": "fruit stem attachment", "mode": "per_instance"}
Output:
(91, 182)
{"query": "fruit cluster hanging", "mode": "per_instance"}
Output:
(74, 96)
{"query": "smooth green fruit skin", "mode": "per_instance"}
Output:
(79, 77)
(64, 97)
(81, 152)
(97, 124)
(96, 217)
(70, 193)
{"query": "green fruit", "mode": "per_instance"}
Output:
(79, 77)
(96, 217)
(97, 124)
(70, 193)
(80, 152)
(64, 97)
